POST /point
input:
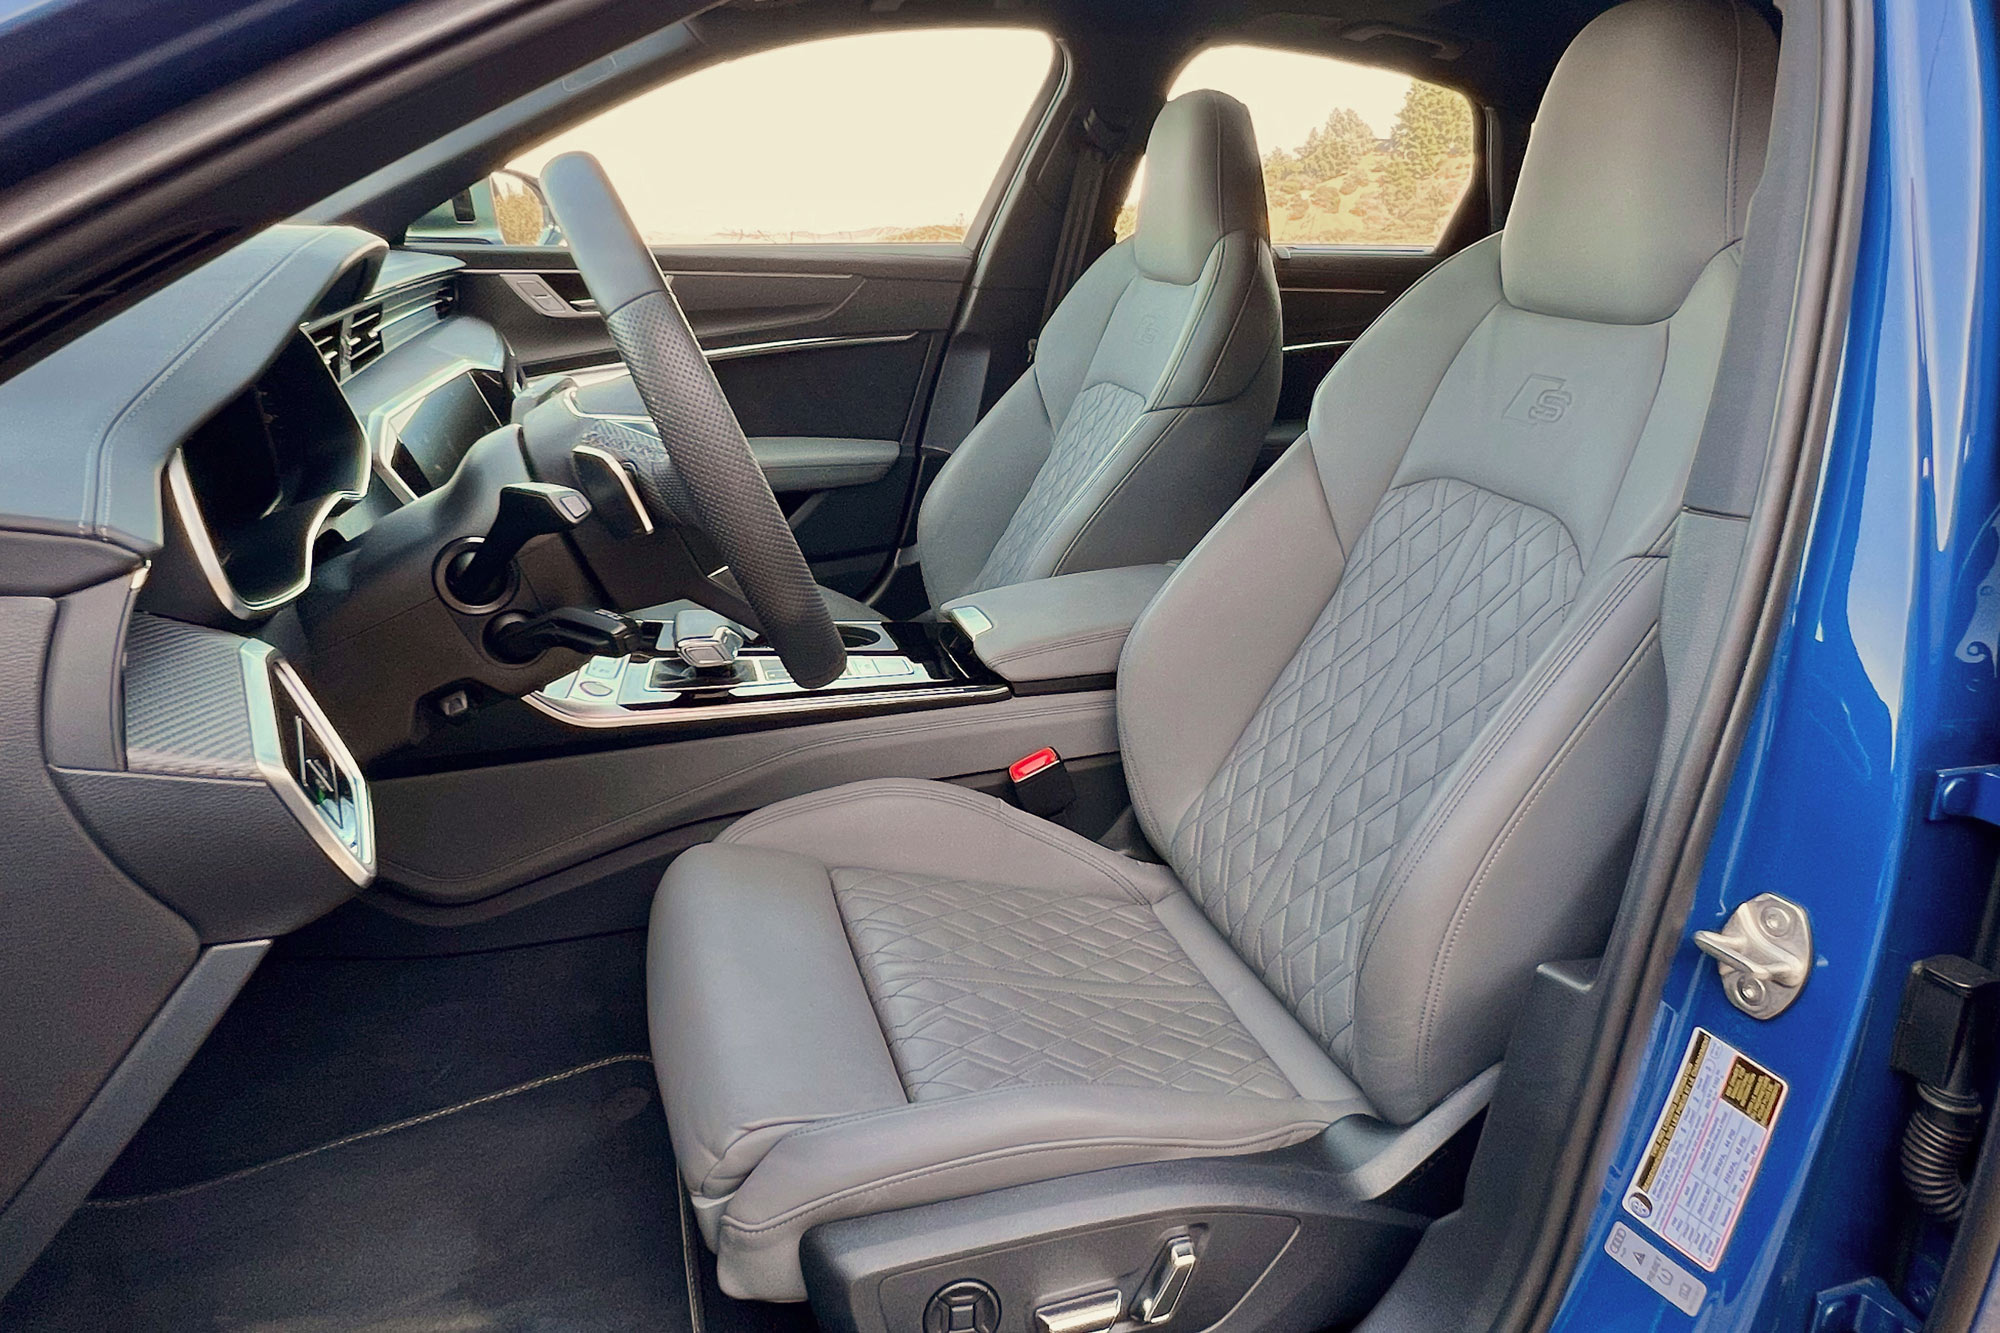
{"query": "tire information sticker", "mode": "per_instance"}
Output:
(1705, 1148)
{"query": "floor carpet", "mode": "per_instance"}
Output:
(462, 1142)
(550, 1206)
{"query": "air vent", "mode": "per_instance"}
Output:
(350, 342)
(410, 310)
(362, 338)
(326, 341)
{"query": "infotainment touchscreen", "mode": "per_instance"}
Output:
(439, 432)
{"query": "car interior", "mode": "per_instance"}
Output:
(1122, 761)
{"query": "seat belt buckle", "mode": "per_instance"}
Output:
(1042, 783)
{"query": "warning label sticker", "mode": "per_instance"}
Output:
(1705, 1148)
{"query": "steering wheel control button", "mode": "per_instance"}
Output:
(1160, 1294)
(963, 1307)
(1094, 1313)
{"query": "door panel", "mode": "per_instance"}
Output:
(817, 341)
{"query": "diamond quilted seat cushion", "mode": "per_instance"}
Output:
(1417, 772)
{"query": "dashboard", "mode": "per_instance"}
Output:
(170, 484)
(174, 478)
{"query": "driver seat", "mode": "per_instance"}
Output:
(1421, 775)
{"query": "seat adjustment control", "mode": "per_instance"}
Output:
(1160, 1294)
(963, 1307)
(1082, 1314)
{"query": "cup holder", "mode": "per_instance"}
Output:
(863, 636)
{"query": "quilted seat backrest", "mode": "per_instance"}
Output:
(1151, 387)
(1426, 770)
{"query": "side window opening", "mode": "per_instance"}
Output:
(1353, 156)
(881, 138)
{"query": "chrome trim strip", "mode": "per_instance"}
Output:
(180, 490)
(264, 672)
(619, 716)
(735, 350)
(589, 375)
(1319, 346)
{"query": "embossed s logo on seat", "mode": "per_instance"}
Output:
(1541, 401)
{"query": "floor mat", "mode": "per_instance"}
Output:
(319, 1048)
(549, 1205)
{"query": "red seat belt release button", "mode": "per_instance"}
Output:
(1041, 782)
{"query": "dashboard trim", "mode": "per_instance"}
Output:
(180, 490)
(265, 672)
(743, 710)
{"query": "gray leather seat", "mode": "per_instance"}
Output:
(1152, 385)
(1421, 774)
(1151, 389)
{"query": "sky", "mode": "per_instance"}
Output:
(891, 129)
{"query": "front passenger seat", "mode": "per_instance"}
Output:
(1416, 773)
(1151, 389)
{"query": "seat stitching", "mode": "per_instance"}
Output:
(1069, 547)
(767, 817)
(1057, 645)
(1507, 726)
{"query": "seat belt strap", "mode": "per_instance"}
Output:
(1097, 143)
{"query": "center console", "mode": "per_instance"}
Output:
(891, 668)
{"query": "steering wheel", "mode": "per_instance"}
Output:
(700, 467)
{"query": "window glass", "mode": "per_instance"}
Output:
(1352, 155)
(888, 137)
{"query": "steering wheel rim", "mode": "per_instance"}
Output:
(704, 462)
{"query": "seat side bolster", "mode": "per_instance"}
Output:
(1521, 855)
(911, 827)
(989, 472)
(966, 1145)
(760, 1021)
(979, 488)
(1202, 656)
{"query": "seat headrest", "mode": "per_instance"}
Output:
(1649, 142)
(1203, 181)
